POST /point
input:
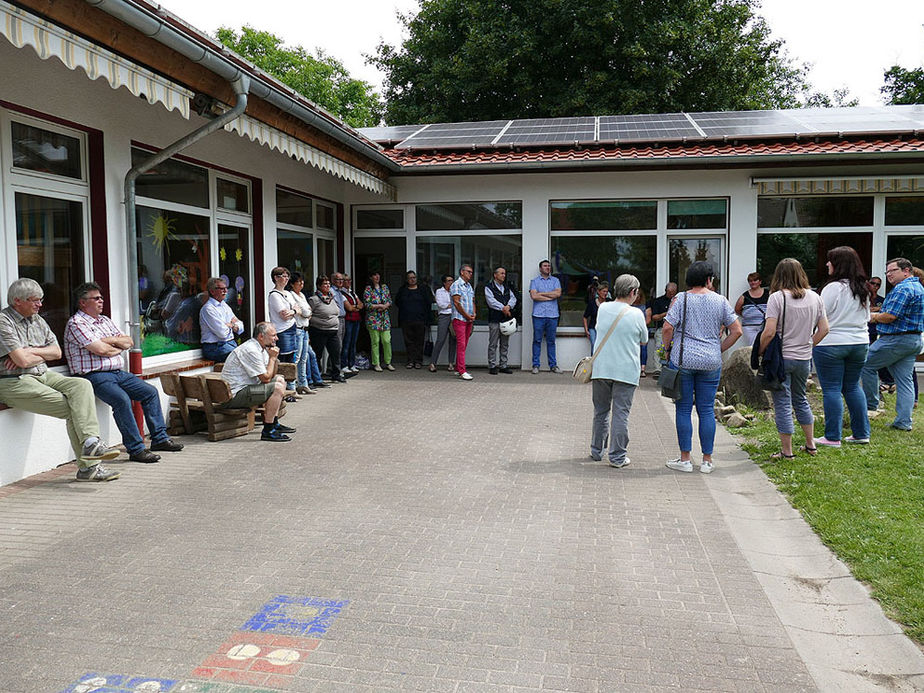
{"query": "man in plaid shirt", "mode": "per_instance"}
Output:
(93, 346)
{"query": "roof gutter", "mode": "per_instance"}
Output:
(211, 59)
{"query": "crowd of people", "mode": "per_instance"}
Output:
(830, 330)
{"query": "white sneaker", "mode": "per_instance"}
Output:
(706, 467)
(535, 370)
(619, 465)
(466, 376)
(679, 466)
(858, 441)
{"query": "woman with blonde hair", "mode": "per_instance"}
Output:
(797, 314)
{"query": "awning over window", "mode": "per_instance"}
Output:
(280, 141)
(839, 185)
(51, 41)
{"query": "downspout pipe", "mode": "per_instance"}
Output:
(241, 86)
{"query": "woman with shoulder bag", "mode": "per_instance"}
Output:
(696, 351)
(804, 325)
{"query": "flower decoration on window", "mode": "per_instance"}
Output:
(161, 230)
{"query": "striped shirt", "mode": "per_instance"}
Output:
(82, 330)
(466, 294)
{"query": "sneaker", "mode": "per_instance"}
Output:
(595, 457)
(535, 370)
(274, 435)
(555, 369)
(409, 365)
(829, 443)
(624, 462)
(389, 367)
(348, 374)
(680, 466)
(874, 413)
(282, 428)
(99, 450)
(167, 446)
(96, 473)
(451, 367)
(377, 368)
(145, 456)
(493, 370)
(320, 383)
(466, 376)
(857, 441)
(506, 370)
(706, 467)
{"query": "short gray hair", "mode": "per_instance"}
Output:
(261, 328)
(24, 289)
(213, 282)
(624, 285)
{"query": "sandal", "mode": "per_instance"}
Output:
(809, 451)
(431, 368)
(781, 456)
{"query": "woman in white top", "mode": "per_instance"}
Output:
(798, 315)
(282, 314)
(840, 356)
(305, 363)
(443, 325)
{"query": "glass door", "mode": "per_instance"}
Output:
(233, 264)
(685, 250)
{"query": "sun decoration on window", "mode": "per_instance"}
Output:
(161, 230)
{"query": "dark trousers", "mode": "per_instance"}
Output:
(326, 340)
(414, 333)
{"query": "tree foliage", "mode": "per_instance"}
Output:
(489, 59)
(321, 78)
(839, 98)
(903, 86)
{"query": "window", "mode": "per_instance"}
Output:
(306, 242)
(685, 251)
(470, 216)
(293, 209)
(385, 255)
(696, 214)
(326, 217)
(904, 211)
(295, 250)
(379, 219)
(44, 151)
(172, 181)
(809, 212)
(607, 214)
(576, 260)
(234, 267)
(811, 249)
(909, 247)
(439, 255)
(50, 250)
(232, 196)
(173, 253)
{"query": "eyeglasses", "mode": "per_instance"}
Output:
(94, 298)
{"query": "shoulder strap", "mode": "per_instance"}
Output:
(683, 328)
(609, 332)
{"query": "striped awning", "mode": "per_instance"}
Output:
(51, 41)
(846, 185)
(290, 146)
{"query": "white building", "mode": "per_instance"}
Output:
(92, 88)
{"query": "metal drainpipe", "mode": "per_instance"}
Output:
(241, 86)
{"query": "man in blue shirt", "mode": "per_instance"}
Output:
(463, 316)
(218, 323)
(545, 290)
(900, 322)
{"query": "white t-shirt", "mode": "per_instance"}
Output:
(278, 301)
(847, 319)
(244, 365)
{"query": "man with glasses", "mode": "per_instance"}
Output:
(875, 303)
(218, 322)
(93, 346)
(899, 322)
(26, 345)
(336, 283)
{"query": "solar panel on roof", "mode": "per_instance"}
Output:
(639, 128)
(719, 124)
(548, 131)
(385, 134)
(455, 135)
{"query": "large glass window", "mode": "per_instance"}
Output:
(908, 247)
(811, 249)
(326, 253)
(904, 211)
(439, 255)
(387, 256)
(293, 209)
(232, 196)
(326, 217)
(809, 212)
(603, 215)
(696, 214)
(173, 253)
(172, 181)
(295, 250)
(685, 251)
(44, 151)
(379, 219)
(234, 267)
(50, 242)
(576, 260)
(470, 216)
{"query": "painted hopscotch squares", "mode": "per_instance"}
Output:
(298, 616)
(119, 683)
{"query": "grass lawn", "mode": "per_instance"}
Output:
(866, 502)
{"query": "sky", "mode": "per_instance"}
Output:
(848, 43)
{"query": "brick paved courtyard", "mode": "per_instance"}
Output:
(420, 533)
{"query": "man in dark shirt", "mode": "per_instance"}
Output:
(656, 312)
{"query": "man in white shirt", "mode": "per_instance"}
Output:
(218, 323)
(250, 370)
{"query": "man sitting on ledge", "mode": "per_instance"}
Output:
(218, 323)
(26, 343)
(250, 370)
(93, 346)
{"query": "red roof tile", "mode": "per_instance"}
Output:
(653, 153)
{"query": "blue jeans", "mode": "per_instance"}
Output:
(699, 388)
(544, 327)
(897, 353)
(838, 369)
(593, 337)
(350, 335)
(217, 351)
(792, 397)
(301, 357)
(118, 389)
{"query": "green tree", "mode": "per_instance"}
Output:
(837, 99)
(319, 77)
(903, 86)
(483, 59)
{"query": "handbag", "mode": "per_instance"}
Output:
(771, 371)
(669, 380)
(428, 345)
(583, 371)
